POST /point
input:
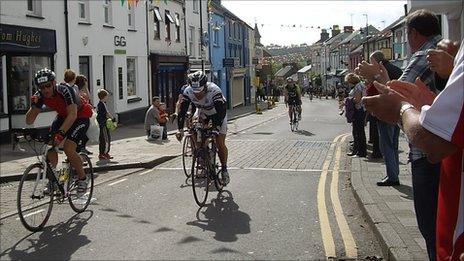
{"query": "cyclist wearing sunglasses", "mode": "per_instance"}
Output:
(71, 123)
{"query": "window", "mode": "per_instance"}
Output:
(23, 69)
(177, 20)
(34, 7)
(108, 14)
(84, 69)
(83, 10)
(200, 37)
(157, 20)
(2, 109)
(167, 21)
(230, 29)
(191, 39)
(195, 6)
(216, 36)
(131, 77)
(131, 17)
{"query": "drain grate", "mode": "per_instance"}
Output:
(314, 145)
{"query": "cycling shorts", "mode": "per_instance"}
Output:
(76, 133)
(222, 129)
(294, 102)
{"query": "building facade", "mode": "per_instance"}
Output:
(196, 16)
(31, 38)
(168, 57)
(218, 48)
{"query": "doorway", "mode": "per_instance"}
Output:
(108, 82)
(84, 69)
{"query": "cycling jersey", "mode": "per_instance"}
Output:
(64, 95)
(293, 92)
(212, 106)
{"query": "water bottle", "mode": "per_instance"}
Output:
(64, 173)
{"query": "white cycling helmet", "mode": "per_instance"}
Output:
(197, 81)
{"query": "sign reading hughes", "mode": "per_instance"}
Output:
(26, 39)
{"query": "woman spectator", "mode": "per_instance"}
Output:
(359, 136)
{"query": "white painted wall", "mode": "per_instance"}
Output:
(193, 19)
(96, 40)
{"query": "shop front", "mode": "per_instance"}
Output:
(169, 73)
(23, 51)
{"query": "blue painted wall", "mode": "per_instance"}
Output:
(218, 72)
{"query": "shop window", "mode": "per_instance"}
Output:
(131, 77)
(157, 20)
(108, 12)
(131, 17)
(34, 7)
(23, 69)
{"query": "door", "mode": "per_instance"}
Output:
(108, 82)
(84, 69)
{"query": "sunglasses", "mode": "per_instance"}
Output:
(45, 86)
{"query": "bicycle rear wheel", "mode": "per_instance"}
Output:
(200, 177)
(187, 155)
(33, 202)
(80, 203)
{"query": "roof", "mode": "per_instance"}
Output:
(358, 49)
(350, 37)
(305, 69)
(340, 36)
(283, 71)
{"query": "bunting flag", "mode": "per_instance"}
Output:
(166, 1)
(137, 2)
(157, 2)
(122, 2)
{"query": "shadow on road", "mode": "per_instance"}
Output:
(57, 242)
(222, 216)
(304, 133)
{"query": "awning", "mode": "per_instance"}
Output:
(305, 69)
(177, 20)
(157, 15)
(283, 71)
(168, 15)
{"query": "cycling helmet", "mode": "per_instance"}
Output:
(43, 76)
(197, 81)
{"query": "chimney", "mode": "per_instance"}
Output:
(348, 29)
(324, 35)
(335, 30)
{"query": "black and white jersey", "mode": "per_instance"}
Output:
(206, 105)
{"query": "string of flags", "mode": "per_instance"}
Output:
(131, 3)
(299, 26)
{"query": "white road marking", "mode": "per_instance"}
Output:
(116, 182)
(32, 213)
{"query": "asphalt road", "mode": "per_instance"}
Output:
(283, 202)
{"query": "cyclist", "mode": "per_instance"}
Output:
(292, 97)
(211, 105)
(71, 123)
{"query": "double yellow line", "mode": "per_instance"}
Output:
(326, 231)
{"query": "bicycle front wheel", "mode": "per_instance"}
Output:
(79, 203)
(35, 198)
(187, 155)
(200, 178)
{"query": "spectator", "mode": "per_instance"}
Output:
(152, 116)
(359, 136)
(436, 125)
(82, 86)
(102, 116)
(423, 29)
(388, 133)
(163, 119)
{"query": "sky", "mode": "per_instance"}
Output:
(271, 15)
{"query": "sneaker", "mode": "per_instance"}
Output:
(108, 156)
(225, 177)
(85, 151)
(81, 187)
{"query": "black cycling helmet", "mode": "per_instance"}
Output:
(197, 81)
(43, 76)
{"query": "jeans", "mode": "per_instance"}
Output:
(425, 177)
(359, 135)
(388, 142)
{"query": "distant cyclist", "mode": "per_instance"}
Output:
(71, 123)
(292, 97)
(211, 105)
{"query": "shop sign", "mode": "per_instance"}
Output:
(230, 62)
(27, 39)
(119, 41)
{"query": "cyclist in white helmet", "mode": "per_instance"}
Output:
(211, 105)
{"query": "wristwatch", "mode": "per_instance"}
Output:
(404, 107)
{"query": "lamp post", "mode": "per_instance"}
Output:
(367, 35)
(202, 37)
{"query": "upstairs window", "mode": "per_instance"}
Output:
(195, 6)
(157, 20)
(108, 12)
(34, 7)
(191, 39)
(131, 17)
(200, 49)
(177, 21)
(216, 36)
(83, 6)
(168, 21)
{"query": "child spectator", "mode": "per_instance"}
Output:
(102, 115)
(164, 117)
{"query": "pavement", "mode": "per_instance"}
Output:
(389, 210)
